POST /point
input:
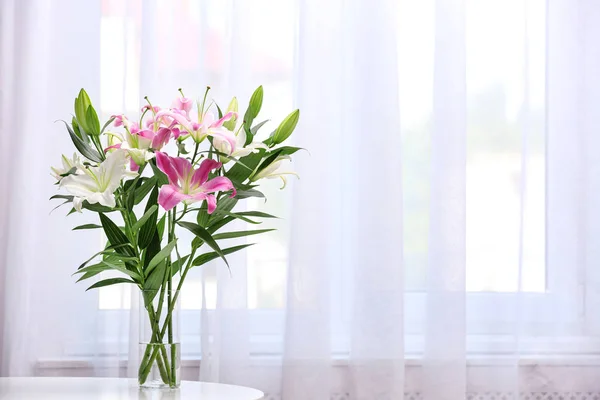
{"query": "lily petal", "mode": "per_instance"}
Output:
(219, 184)
(169, 196)
(163, 162)
(201, 174)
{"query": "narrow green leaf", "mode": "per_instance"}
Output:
(203, 217)
(237, 234)
(132, 274)
(97, 207)
(86, 226)
(62, 196)
(142, 190)
(91, 119)
(269, 160)
(69, 172)
(83, 147)
(116, 236)
(160, 257)
(244, 194)
(101, 266)
(161, 178)
(232, 215)
(259, 214)
(205, 236)
(256, 127)
(154, 280)
(108, 282)
(287, 126)
(206, 257)
(160, 227)
(288, 150)
(152, 249)
(239, 173)
(176, 266)
(77, 131)
(145, 217)
(148, 228)
(111, 247)
(106, 124)
(181, 147)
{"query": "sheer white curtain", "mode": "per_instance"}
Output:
(441, 242)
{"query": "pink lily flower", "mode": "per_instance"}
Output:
(184, 104)
(188, 184)
(209, 126)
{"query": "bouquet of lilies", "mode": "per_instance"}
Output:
(182, 167)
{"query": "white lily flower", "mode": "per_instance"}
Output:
(67, 165)
(239, 151)
(98, 184)
(273, 171)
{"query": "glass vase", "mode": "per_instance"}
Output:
(159, 345)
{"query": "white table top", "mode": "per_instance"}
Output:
(116, 389)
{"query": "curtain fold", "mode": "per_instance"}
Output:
(439, 244)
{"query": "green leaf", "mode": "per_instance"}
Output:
(108, 282)
(132, 274)
(243, 194)
(62, 196)
(176, 266)
(233, 215)
(148, 228)
(153, 282)
(287, 126)
(181, 147)
(219, 111)
(82, 102)
(160, 227)
(77, 131)
(205, 236)
(86, 226)
(101, 266)
(268, 161)
(256, 127)
(152, 249)
(69, 172)
(288, 150)
(161, 178)
(226, 203)
(202, 217)
(91, 119)
(237, 234)
(206, 257)
(145, 188)
(116, 236)
(145, 217)
(97, 207)
(83, 147)
(212, 228)
(106, 124)
(238, 173)
(105, 251)
(259, 214)
(160, 257)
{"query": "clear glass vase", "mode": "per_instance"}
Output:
(159, 346)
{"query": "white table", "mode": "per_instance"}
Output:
(116, 389)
